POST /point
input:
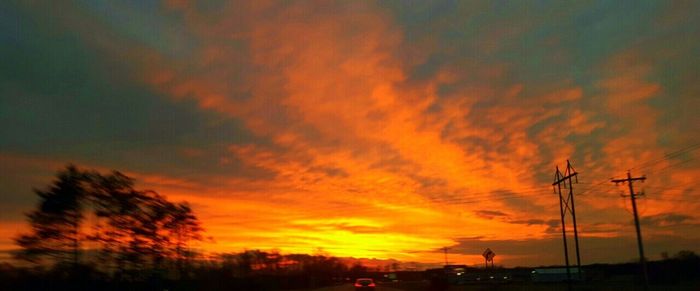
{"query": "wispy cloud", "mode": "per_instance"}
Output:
(367, 129)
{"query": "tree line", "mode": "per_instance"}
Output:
(99, 229)
(85, 217)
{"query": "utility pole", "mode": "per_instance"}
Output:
(633, 197)
(445, 250)
(567, 204)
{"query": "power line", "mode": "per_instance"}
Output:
(682, 187)
(689, 201)
(667, 156)
(506, 194)
(482, 198)
(651, 163)
(671, 166)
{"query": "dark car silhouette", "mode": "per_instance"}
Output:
(364, 284)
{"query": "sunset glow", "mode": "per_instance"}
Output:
(383, 130)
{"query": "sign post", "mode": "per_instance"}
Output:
(488, 255)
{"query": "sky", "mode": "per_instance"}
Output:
(366, 129)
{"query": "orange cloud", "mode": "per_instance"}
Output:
(344, 106)
(368, 160)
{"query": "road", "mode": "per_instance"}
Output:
(350, 287)
(604, 286)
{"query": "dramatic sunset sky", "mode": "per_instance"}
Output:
(367, 129)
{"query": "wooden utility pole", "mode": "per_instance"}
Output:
(445, 250)
(633, 197)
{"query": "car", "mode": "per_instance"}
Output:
(364, 284)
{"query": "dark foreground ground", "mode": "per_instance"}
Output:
(616, 286)
(407, 285)
(672, 274)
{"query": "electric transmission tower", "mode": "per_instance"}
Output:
(566, 204)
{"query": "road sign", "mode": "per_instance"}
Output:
(488, 254)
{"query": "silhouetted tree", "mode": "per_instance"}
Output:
(183, 227)
(686, 255)
(358, 270)
(136, 230)
(56, 222)
(273, 261)
(141, 228)
(118, 208)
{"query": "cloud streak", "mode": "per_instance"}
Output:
(373, 130)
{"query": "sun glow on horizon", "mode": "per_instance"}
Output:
(364, 129)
